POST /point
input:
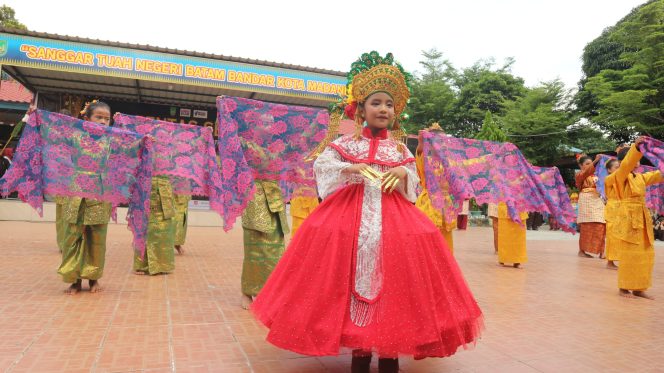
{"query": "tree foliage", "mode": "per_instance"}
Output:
(537, 122)
(589, 138)
(623, 90)
(490, 130)
(8, 18)
(459, 100)
(487, 101)
(433, 96)
(481, 88)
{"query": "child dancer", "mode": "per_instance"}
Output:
(629, 222)
(83, 224)
(367, 270)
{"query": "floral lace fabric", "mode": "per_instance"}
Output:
(259, 140)
(492, 172)
(183, 152)
(63, 156)
(653, 150)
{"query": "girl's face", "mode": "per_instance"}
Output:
(100, 115)
(586, 164)
(613, 167)
(379, 110)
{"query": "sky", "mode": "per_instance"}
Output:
(545, 37)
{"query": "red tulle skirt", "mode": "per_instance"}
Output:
(425, 308)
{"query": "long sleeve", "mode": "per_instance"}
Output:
(419, 163)
(409, 187)
(627, 165)
(328, 169)
(653, 177)
(583, 175)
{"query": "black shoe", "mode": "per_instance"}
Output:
(388, 365)
(360, 364)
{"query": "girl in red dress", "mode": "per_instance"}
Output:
(367, 270)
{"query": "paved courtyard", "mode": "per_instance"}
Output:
(560, 313)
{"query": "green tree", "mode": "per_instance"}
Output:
(482, 88)
(432, 96)
(8, 18)
(600, 54)
(436, 68)
(537, 122)
(623, 87)
(431, 102)
(490, 130)
(590, 139)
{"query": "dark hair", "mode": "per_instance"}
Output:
(583, 159)
(89, 109)
(610, 163)
(622, 153)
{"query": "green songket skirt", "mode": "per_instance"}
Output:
(159, 254)
(181, 212)
(60, 224)
(81, 226)
(264, 223)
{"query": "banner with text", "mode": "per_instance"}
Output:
(42, 53)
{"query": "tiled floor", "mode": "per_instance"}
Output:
(560, 313)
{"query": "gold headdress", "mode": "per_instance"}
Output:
(434, 127)
(370, 74)
(382, 78)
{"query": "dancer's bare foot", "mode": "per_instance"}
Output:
(94, 286)
(74, 288)
(625, 293)
(501, 263)
(642, 294)
(246, 301)
(583, 254)
(517, 265)
(611, 265)
(179, 249)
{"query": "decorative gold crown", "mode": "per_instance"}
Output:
(382, 78)
(370, 74)
(434, 127)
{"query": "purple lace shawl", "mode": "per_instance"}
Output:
(492, 172)
(183, 152)
(259, 140)
(64, 156)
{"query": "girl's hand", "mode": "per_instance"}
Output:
(597, 158)
(364, 170)
(392, 178)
